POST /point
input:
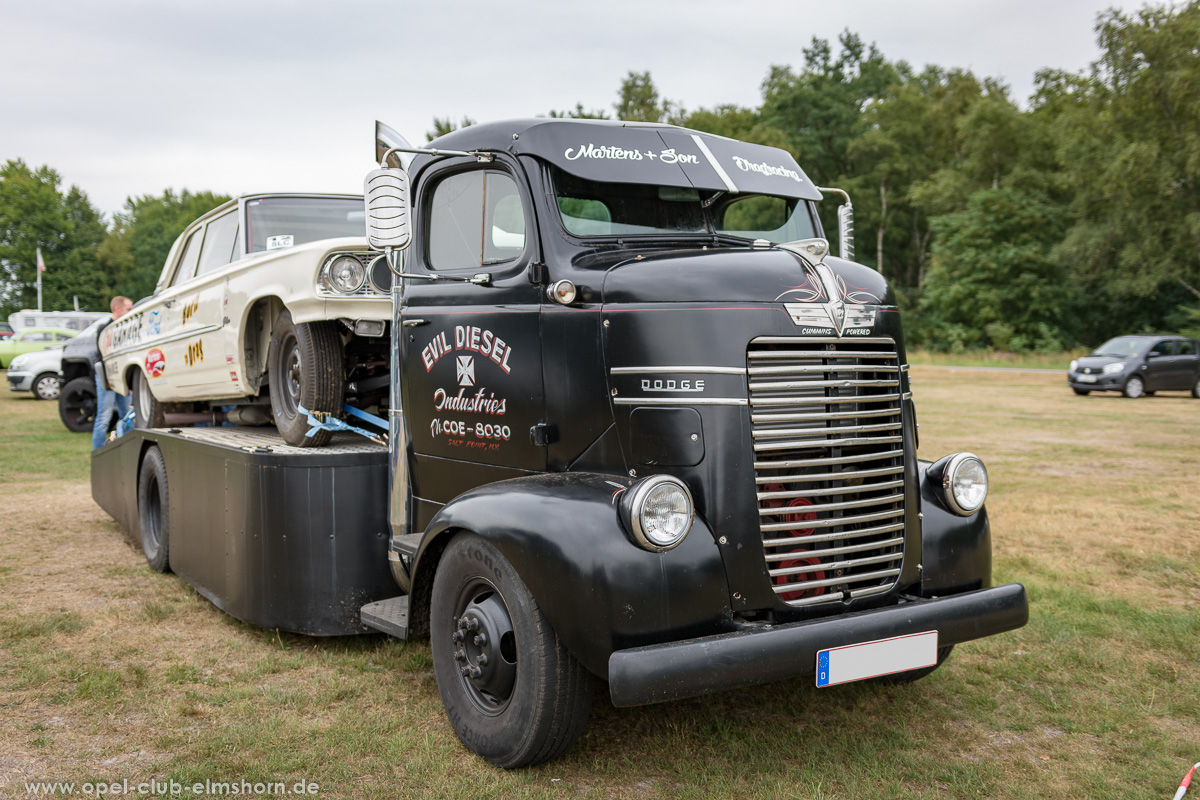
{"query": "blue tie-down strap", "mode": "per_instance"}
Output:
(324, 421)
(126, 423)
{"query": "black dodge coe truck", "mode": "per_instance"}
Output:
(644, 428)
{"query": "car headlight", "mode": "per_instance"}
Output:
(18, 362)
(1109, 369)
(965, 482)
(347, 274)
(1074, 366)
(659, 512)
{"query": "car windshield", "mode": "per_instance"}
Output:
(592, 208)
(1121, 347)
(277, 222)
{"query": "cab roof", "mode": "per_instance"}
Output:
(614, 151)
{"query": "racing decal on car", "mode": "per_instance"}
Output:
(190, 309)
(156, 363)
(195, 353)
(154, 323)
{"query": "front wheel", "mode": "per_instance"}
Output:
(47, 386)
(1134, 387)
(513, 693)
(304, 369)
(77, 405)
(147, 411)
(1196, 389)
(1083, 392)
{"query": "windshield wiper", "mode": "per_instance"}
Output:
(729, 238)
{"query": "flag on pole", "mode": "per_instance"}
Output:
(41, 263)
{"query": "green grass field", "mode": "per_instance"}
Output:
(111, 672)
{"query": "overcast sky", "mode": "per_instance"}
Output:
(130, 97)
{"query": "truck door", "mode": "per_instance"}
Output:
(472, 371)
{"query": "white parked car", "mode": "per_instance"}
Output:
(267, 298)
(40, 373)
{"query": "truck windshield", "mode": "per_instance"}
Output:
(276, 222)
(591, 208)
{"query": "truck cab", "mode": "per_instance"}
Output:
(647, 429)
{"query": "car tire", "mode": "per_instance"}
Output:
(1196, 389)
(77, 405)
(1083, 392)
(517, 697)
(1134, 387)
(154, 510)
(305, 367)
(147, 410)
(47, 386)
(901, 678)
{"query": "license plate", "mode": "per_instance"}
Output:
(1086, 378)
(856, 662)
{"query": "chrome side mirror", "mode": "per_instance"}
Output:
(845, 225)
(386, 196)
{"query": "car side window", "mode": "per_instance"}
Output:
(62, 337)
(1162, 348)
(36, 337)
(1187, 347)
(475, 219)
(219, 241)
(191, 257)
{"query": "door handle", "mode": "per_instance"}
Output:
(412, 323)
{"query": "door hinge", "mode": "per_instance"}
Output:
(537, 273)
(543, 434)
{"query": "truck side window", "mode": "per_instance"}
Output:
(475, 219)
(191, 257)
(219, 242)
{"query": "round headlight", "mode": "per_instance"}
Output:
(660, 512)
(965, 482)
(1109, 369)
(346, 274)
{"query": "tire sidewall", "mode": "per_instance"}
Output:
(37, 382)
(1130, 393)
(141, 395)
(307, 340)
(498, 737)
(154, 499)
(82, 386)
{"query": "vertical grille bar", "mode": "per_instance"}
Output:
(829, 465)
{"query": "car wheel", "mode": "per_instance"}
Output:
(1196, 389)
(77, 405)
(513, 693)
(1134, 387)
(305, 367)
(1083, 392)
(153, 510)
(901, 678)
(47, 386)
(147, 411)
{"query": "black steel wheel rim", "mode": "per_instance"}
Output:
(483, 646)
(153, 529)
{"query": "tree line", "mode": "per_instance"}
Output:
(1038, 227)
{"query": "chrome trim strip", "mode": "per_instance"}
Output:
(784, 588)
(867, 503)
(819, 368)
(817, 462)
(769, 418)
(821, 354)
(822, 340)
(825, 565)
(830, 476)
(822, 430)
(838, 551)
(679, 401)
(831, 523)
(798, 445)
(729, 184)
(816, 538)
(788, 495)
(677, 370)
(820, 401)
(172, 338)
(768, 386)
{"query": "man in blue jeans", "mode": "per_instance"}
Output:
(108, 401)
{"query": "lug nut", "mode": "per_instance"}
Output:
(483, 659)
(463, 671)
(456, 636)
(475, 671)
(460, 655)
(481, 640)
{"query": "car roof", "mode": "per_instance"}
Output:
(48, 330)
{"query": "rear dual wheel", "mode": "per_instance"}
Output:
(512, 691)
(153, 510)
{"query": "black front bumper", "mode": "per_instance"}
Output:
(671, 671)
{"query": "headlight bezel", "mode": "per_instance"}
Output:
(1113, 368)
(950, 474)
(331, 281)
(634, 505)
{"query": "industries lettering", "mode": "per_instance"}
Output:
(476, 404)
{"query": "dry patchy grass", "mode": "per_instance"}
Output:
(109, 671)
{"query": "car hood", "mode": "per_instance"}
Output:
(1099, 362)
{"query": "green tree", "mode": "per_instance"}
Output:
(579, 112)
(142, 235)
(35, 213)
(638, 101)
(442, 126)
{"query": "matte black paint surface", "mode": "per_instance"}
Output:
(291, 542)
(957, 551)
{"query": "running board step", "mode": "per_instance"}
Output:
(389, 616)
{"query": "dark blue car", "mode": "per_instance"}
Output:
(1138, 365)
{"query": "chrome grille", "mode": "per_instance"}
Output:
(828, 465)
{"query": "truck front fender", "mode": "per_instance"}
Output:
(956, 551)
(600, 591)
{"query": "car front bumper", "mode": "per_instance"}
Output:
(1111, 382)
(20, 381)
(674, 670)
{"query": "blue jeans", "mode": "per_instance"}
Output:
(108, 402)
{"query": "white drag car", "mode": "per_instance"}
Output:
(268, 298)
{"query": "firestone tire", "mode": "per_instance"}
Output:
(305, 367)
(47, 386)
(1134, 388)
(147, 411)
(77, 405)
(153, 510)
(513, 693)
(901, 678)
